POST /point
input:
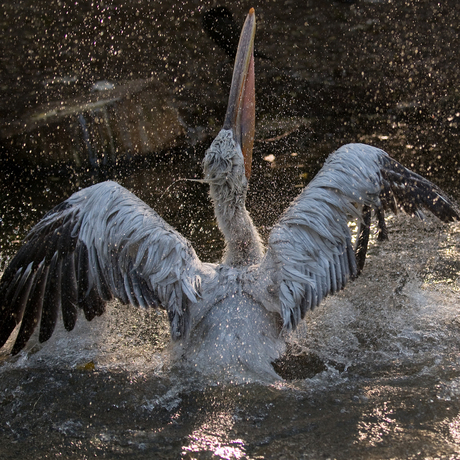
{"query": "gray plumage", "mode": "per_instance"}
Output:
(104, 242)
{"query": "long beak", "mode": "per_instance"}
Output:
(240, 117)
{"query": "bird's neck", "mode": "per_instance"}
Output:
(243, 245)
(223, 168)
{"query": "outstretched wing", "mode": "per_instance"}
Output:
(102, 242)
(310, 252)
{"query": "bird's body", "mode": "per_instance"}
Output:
(232, 333)
(231, 317)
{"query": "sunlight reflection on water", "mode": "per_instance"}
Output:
(212, 436)
(388, 346)
(377, 424)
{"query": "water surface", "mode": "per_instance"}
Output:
(375, 372)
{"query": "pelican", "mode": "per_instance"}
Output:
(232, 317)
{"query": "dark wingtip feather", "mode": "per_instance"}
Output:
(13, 302)
(69, 292)
(414, 192)
(383, 231)
(51, 300)
(363, 239)
(92, 305)
(33, 309)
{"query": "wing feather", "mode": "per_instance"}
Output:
(310, 253)
(52, 296)
(102, 242)
(69, 293)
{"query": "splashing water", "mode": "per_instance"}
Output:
(382, 375)
(389, 377)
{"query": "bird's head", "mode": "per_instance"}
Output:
(228, 160)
